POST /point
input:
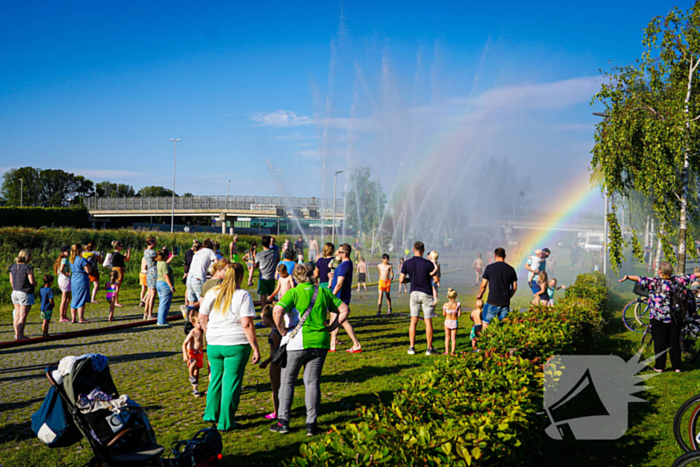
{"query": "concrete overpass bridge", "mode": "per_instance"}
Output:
(228, 209)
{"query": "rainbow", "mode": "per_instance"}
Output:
(565, 205)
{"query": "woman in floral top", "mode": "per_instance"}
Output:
(665, 333)
(151, 276)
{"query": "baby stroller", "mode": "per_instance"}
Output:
(117, 428)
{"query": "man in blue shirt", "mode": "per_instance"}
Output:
(342, 288)
(417, 271)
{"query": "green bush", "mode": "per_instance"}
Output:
(475, 409)
(43, 217)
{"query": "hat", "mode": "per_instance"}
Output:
(65, 248)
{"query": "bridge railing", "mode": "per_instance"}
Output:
(240, 203)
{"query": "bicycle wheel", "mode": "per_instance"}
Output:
(693, 432)
(689, 458)
(641, 313)
(629, 319)
(682, 429)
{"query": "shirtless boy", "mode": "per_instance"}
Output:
(478, 268)
(362, 274)
(386, 275)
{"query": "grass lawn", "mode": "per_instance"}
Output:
(146, 364)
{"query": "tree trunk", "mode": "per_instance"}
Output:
(659, 248)
(683, 230)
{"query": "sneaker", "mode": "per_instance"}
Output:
(411, 351)
(197, 393)
(432, 352)
(312, 429)
(271, 416)
(193, 380)
(279, 427)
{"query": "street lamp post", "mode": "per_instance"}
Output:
(229, 189)
(172, 212)
(335, 185)
(21, 190)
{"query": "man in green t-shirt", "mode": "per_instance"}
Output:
(309, 346)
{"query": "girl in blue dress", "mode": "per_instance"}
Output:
(80, 283)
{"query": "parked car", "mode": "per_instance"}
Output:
(593, 244)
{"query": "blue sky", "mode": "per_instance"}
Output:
(99, 88)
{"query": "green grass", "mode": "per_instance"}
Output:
(146, 364)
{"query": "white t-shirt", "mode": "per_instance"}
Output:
(535, 263)
(200, 263)
(224, 328)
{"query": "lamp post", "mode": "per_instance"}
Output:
(335, 185)
(229, 189)
(172, 212)
(21, 190)
(605, 193)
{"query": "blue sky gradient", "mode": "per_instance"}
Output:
(99, 88)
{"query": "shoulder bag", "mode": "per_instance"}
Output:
(280, 357)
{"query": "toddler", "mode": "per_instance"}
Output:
(285, 282)
(552, 289)
(362, 274)
(47, 304)
(274, 340)
(192, 352)
(476, 318)
(451, 310)
(436, 274)
(111, 287)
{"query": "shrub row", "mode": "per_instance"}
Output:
(475, 409)
(44, 217)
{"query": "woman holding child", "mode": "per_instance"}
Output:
(226, 316)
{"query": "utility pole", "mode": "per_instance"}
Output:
(172, 213)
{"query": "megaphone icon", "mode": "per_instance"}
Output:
(581, 405)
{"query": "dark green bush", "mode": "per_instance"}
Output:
(475, 409)
(43, 217)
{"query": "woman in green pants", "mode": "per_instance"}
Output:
(226, 315)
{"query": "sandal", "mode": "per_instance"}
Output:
(351, 350)
(271, 416)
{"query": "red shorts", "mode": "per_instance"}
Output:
(197, 356)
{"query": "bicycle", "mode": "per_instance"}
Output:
(692, 407)
(687, 459)
(635, 315)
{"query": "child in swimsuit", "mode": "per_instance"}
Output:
(192, 352)
(111, 287)
(478, 267)
(274, 340)
(552, 289)
(386, 275)
(476, 319)
(451, 310)
(542, 296)
(362, 274)
(435, 275)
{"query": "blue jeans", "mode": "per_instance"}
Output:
(165, 297)
(493, 311)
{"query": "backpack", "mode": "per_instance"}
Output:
(203, 449)
(682, 303)
(107, 263)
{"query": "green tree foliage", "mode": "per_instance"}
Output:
(154, 192)
(46, 188)
(365, 200)
(107, 189)
(649, 140)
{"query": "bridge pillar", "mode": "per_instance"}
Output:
(222, 218)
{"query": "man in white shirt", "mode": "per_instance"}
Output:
(198, 270)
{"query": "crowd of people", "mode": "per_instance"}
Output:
(303, 306)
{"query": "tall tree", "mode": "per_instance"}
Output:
(154, 191)
(649, 141)
(24, 180)
(107, 189)
(365, 200)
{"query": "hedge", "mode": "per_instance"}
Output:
(475, 409)
(43, 217)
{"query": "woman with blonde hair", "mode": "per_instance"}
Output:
(62, 269)
(323, 265)
(22, 282)
(226, 316)
(80, 283)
